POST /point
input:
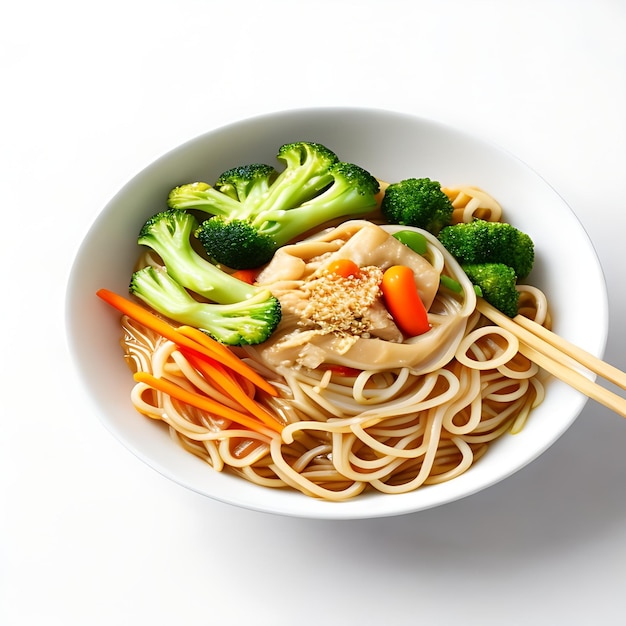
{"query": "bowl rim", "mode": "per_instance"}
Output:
(300, 505)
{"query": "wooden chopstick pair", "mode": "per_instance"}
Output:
(560, 358)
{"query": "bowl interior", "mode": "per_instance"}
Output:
(392, 146)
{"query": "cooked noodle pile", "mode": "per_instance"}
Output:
(359, 412)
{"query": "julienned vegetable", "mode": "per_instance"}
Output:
(418, 202)
(205, 403)
(256, 209)
(228, 382)
(186, 338)
(215, 363)
(403, 301)
(238, 314)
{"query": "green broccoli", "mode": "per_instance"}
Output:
(256, 209)
(247, 183)
(418, 202)
(236, 186)
(237, 314)
(496, 282)
(490, 242)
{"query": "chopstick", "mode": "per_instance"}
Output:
(553, 353)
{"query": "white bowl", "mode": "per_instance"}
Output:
(392, 146)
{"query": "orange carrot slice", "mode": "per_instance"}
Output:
(344, 268)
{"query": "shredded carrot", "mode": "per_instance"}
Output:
(205, 403)
(215, 373)
(225, 356)
(344, 268)
(403, 301)
(186, 337)
(151, 321)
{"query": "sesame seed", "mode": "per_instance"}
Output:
(340, 305)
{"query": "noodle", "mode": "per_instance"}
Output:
(409, 413)
(470, 203)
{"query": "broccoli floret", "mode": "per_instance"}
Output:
(490, 242)
(202, 196)
(247, 183)
(238, 313)
(233, 189)
(305, 174)
(243, 323)
(235, 243)
(418, 202)
(496, 282)
(244, 243)
(264, 210)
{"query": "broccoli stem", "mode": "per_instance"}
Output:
(249, 322)
(169, 234)
(285, 225)
(203, 197)
(306, 173)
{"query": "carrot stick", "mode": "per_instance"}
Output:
(151, 321)
(216, 373)
(204, 403)
(225, 356)
(215, 377)
(403, 301)
(182, 337)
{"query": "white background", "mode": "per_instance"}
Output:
(92, 93)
